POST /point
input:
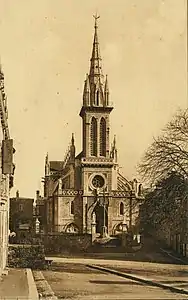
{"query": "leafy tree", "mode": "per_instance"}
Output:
(167, 202)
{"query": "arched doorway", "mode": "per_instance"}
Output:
(101, 213)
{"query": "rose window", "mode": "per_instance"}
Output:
(98, 181)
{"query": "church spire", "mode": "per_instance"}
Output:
(106, 92)
(114, 149)
(96, 65)
(72, 148)
(46, 158)
(86, 93)
(47, 172)
(96, 91)
(72, 139)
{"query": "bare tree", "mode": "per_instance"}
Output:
(168, 152)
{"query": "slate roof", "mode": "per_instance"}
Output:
(80, 155)
(56, 165)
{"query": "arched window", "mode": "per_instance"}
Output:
(102, 137)
(121, 209)
(97, 98)
(72, 207)
(93, 137)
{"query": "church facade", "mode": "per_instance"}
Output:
(86, 193)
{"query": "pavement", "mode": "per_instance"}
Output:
(173, 255)
(14, 285)
(18, 284)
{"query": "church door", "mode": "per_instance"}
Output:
(101, 217)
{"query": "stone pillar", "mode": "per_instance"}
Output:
(93, 231)
(124, 239)
(85, 216)
(104, 232)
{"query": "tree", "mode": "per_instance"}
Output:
(168, 152)
(167, 202)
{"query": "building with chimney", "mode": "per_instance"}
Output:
(6, 174)
(21, 216)
(86, 193)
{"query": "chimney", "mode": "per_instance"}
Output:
(17, 194)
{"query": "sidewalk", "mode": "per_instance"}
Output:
(175, 255)
(14, 285)
(181, 288)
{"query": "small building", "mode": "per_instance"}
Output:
(21, 215)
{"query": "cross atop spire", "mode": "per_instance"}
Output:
(96, 17)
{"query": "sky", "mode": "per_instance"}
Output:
(45, 51)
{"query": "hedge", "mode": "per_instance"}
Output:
(26, 256)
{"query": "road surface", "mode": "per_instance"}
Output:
(72, 278)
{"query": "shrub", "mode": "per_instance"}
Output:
(26, 256)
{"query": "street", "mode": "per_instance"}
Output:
(72, 278)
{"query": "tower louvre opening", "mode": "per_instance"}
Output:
(93, 137)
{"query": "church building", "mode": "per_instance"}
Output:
(86, 193)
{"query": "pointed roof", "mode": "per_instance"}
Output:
(106, 88)
(96, 65)
(86, 91)
(46, 159)
(86, 84)
(72, 139)
(56, 165)
(96, 90)
(114, 142)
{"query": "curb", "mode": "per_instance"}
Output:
(33, 294)
(44, 289)
(139, 279)
(177, 258)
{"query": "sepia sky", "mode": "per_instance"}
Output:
(45, 50)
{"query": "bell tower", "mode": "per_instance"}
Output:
(97, 162)
(96, 108)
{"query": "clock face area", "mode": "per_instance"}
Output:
(97, 181)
